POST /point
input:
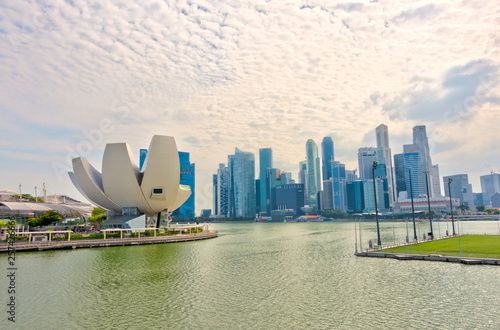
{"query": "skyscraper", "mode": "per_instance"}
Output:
(384, 155)
(215, 194)
(366, 157)
(265, 162)
(339, 179)
(222, 190)
(436, 185)
(242, 180)
(414, 159)
(421, 141)
(187, 209)
(327, 157)
(142, 157)
(490, 185)
(460, 188)
(399, 174)
(273, 179)
(313, 173)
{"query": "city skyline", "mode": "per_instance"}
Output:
(218, 76)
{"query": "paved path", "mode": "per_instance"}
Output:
(90, 243)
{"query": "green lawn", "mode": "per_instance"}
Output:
(479, 246)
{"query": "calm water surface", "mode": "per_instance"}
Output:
(255, 276)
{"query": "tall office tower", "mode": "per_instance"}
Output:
(460, 188)
(384, 155)
(286, 177)
(399, 173)
(215, 195)
(355, 197)
(187, 209)
(369, 197)
(265, 162)
(436, 184)
(327, 157)
(303, 178)
(290, 197)
(242, 184)
(366, 157)
(222, 190)
(313, 173)
(142, 157)
(327, 195)
(490, 185)
(420, 139)
(351, 176)
(273, 179)
(339, 182)
(414, 159)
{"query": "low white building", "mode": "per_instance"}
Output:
(439, 205)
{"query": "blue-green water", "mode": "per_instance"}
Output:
(254, 276)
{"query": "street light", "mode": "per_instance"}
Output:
(412, 208)
(376, 208)
(451, 205)
(428, 200)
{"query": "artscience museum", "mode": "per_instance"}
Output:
(133, 198)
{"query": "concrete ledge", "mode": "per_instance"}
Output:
(463, 260)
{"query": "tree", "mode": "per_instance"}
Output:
(33, 222)
(98, 211)
(480, 208)
(98, 215)
(49, 217)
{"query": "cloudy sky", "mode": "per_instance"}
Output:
(77, 74)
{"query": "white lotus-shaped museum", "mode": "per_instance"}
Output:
(123, 185)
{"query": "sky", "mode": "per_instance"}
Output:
(77, 74)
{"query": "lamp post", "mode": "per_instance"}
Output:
(451, 205)
(379, 243)
(412, 208)
(428, 201)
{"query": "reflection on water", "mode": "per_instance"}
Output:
(258, 276)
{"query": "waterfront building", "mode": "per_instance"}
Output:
(436, 184)
(366, 157)
(460, 188)
(327, 157)
(265, 162)
(242, 199)
(290, 197)
(490, 185)
(369, 197)
(355, 197)
(186, 210)
(439, 205)
(414, 159)
(399, 173)
(384, 156)
(313, 173)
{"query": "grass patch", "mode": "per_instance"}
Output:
(479, 246)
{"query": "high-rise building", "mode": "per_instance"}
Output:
(366, 157)
(339, 182)
(142, 157)
(313, 173)
(327, 157)
(436, 184)
(265, 162)
(290, 197)
(399, 173)
(414, 159)
(327, 195)
(215, 194)
(273, 179)
(187, 209)
(369, 198)
(460, 188)
(222, 191)
(384, 156)
(355, 197)
(490, 185)
(242, 183)
(421, 141)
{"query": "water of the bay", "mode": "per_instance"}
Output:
(255, 276)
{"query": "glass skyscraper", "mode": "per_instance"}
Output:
(313, 173)
(187, 209)
(366, 157)
(421, 141)
(265, 162)
(399, 174)
(142, 157)
(327, 157)
(339, 179)
(243, 183)
(414, 159)
(384, 155)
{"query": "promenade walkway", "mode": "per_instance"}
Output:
(91, 243)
